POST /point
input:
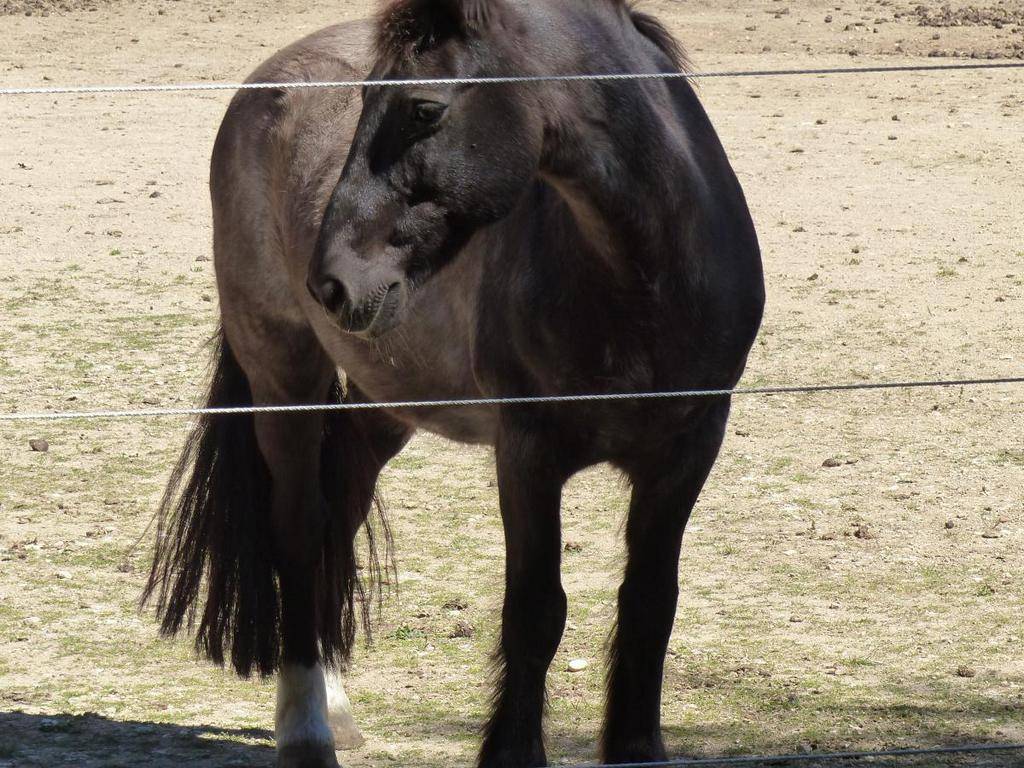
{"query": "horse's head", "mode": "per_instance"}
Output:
(428, 165)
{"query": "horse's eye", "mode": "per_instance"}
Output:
(428, 113)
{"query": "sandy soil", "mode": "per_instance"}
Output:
(873, 603)
(46, 7)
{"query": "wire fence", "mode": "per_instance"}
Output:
(139, 413)
(64, 90)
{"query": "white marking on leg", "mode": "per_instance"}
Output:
(301, 716)
(339, 713)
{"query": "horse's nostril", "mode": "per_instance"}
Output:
(328, 291)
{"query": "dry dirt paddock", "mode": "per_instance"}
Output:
(875, 603)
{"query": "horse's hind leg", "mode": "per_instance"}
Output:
(665, 488)
(323, 470)
(258, 524)
(290, 445)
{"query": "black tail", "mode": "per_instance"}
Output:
(215, 532)
(349, 468)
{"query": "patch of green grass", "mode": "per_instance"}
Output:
(83, 365)
(859, 661)
(409, 460)
(43, 292)
(1009, 456)
(405, 632)
(105, 555)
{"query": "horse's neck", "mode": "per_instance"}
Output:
(630, 192)
(594, 223)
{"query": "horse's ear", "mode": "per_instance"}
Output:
(407, 27)
(472, 16)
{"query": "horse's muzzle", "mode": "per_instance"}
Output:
(373, 313)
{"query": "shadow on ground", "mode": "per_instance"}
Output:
(92, 741)
(902, 728)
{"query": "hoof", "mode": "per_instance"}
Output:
(518, 756)
(339, 714)
(307, 756)
(346, 732)
(636, 752)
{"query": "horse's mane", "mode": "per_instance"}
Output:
(656, 32)
(406, 28)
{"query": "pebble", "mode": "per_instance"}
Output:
(863, 532)
(578, 665)
(462, 629)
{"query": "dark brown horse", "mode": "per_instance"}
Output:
(457, 242)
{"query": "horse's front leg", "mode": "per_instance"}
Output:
(666, 483)
(533, 617)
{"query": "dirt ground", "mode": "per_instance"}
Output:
(874, 603)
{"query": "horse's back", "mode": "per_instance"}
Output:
(319, 55)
